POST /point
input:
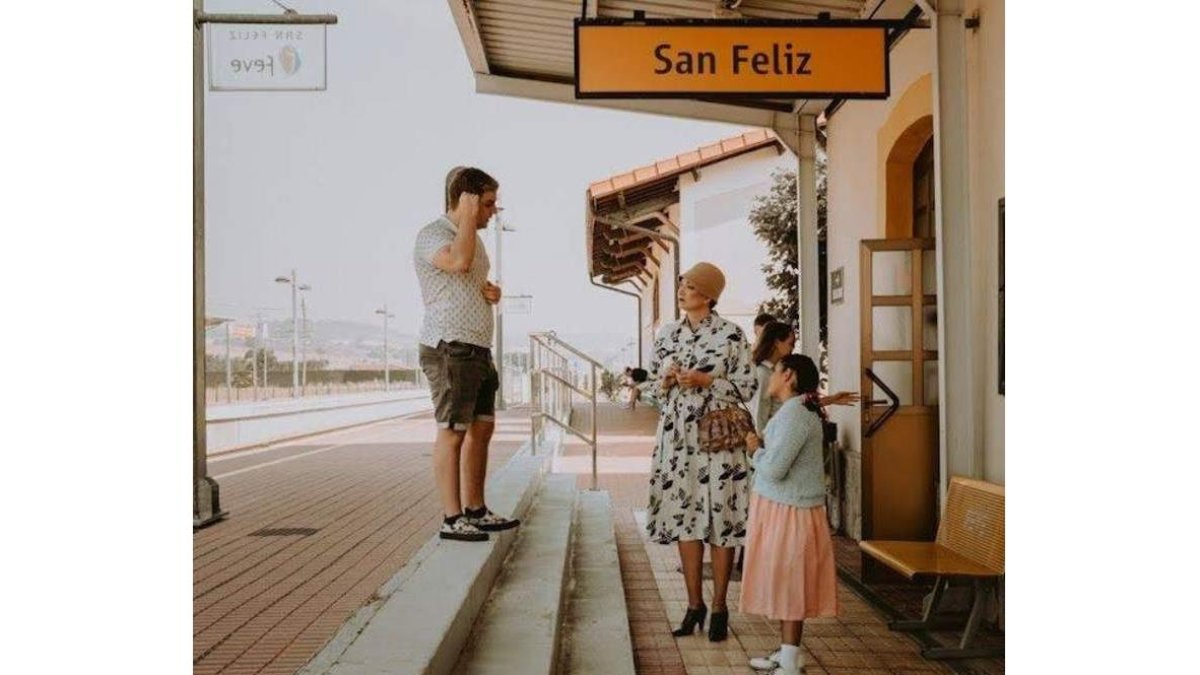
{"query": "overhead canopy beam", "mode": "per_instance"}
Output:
(468, 28)
(557, 92)
(641, 210)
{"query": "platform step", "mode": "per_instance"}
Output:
(596, 639)
(421, 618)
(518, 630)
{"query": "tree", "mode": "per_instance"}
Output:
(775, 222)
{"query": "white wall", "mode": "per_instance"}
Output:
(855, 205)
(715, 212)
(985, 66)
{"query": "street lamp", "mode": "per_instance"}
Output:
(295, 330)
(501, 228)
(387, 379)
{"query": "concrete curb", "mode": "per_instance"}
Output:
(597, 640)
(518, 630)
(418, 621)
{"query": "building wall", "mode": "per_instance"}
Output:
(715, 212)
(985, 66)
(860, 136)
(857, 209)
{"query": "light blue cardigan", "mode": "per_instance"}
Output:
(789, 469)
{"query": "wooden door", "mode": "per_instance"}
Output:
(899, 385)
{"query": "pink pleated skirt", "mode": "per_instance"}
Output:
(789, 573)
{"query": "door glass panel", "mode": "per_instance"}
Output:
(898, 377)
(929, 272)
(931, 383)
(930, 329)
(891, 329)
(891, 272)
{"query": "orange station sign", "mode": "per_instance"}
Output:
(715, 59)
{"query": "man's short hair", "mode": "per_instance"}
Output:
(470, 180)
(763, 319)
(450, 179)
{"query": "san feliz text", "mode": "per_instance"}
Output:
(778, 61)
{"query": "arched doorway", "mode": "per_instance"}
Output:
(899, 421)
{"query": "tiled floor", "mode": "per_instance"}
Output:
(857, 642)
(266, 604)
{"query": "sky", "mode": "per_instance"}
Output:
(336, 184)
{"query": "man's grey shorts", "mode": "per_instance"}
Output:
(463, 383)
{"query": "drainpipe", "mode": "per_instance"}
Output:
(638, 323)
(655, 235)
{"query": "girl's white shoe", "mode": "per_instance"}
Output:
(769, 662)
(778, 661)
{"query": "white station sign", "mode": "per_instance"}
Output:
(266, 57)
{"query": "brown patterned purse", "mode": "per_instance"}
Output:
(725, 429)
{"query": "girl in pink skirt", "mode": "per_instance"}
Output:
(789, 573)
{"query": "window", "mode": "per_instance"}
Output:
(923, 193)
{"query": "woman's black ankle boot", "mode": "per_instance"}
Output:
(692, 620)
(718, 626)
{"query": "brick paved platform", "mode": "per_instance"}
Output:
(349, 510)
(857, 642)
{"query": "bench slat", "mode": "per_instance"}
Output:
(922, 558)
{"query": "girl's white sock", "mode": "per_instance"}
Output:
(789, 657)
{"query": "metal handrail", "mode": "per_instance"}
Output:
(564, 426)
(566, 384)
(549, 374)
(551, 335)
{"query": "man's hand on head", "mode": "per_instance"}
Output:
(468, 207)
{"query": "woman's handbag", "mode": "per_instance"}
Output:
(725, 429)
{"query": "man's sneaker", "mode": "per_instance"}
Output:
(770, 662)
(462, 529)
(487, 521)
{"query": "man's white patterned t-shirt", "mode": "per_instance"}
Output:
(455, 310)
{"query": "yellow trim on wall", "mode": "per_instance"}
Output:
(899, 140)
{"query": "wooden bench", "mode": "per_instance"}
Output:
(969, 546)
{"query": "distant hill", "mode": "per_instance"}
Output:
(349, 344)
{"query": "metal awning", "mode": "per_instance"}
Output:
(525, 48)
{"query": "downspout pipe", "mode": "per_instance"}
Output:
(638, 322)
(654, 234)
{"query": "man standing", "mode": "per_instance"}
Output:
(456, 335)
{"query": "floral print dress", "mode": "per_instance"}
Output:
(696, 495)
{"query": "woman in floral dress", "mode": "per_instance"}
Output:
(700, 363)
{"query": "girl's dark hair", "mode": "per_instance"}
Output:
(807, 377)
(772, 333)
